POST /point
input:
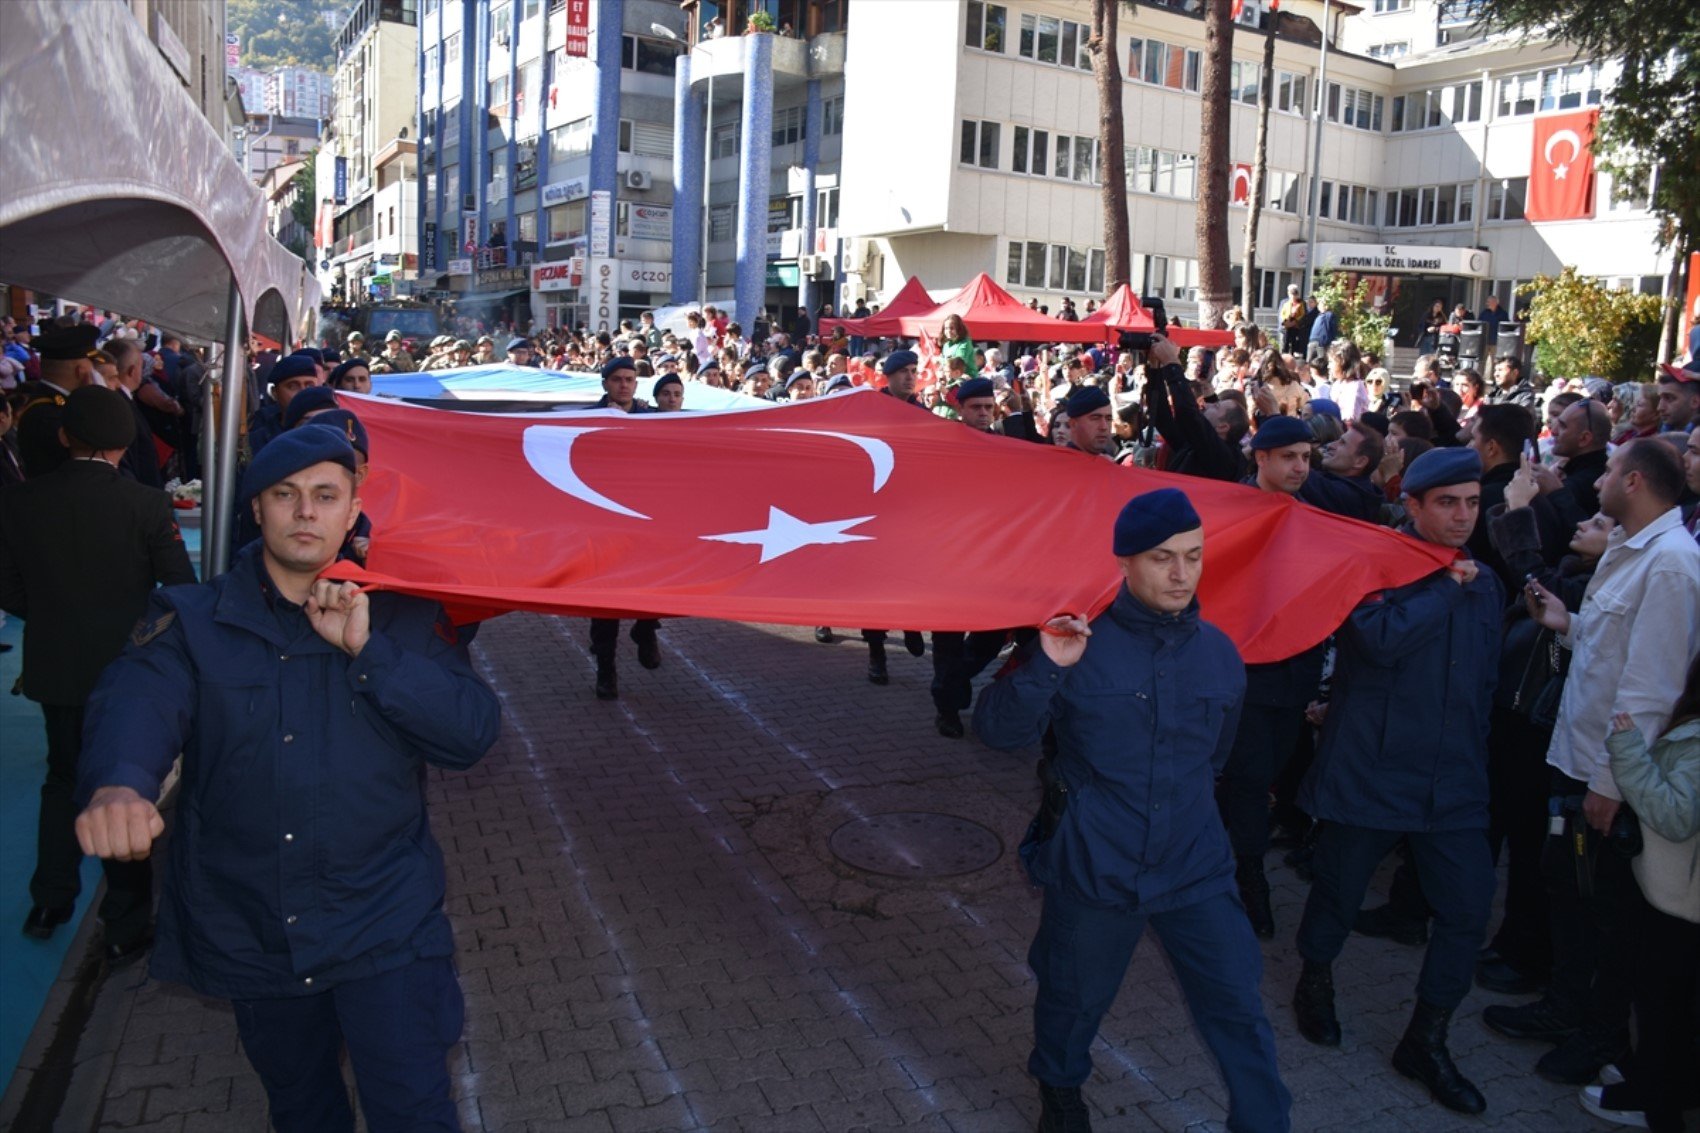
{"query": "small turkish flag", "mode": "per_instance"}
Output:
(1242, 184)
(819, 506)
(1561, 169)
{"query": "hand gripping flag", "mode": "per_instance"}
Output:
(852, 510)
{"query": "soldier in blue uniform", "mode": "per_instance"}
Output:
(304, 883)
(1143, 702)
(1381, 774)
(291, 374)
(619, 391)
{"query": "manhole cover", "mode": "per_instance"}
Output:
(915, 844)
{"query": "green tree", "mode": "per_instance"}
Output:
(1349, 297)
(1583, 329)
(1650, 124)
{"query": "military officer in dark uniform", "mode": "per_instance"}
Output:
(959, 657)
(1143, 702)
(1403, 754)
(305, 884)
(1091, 425)
(619, 391)
(81, 549)
(292, 374)
(901, 369)
(65, 368)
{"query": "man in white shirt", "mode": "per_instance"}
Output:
(1631, 645)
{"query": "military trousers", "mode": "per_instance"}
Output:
(605, 636)
(1456, 871)
(1080, 956)
(1262, 746)
(398, 1027)
(957, 659)
(127, 908)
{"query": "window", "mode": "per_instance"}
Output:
(832, 115)
(1162, 172)
(826, 208)
(501, 96)
(624, 141)
(530, 9)
(570, 140)
(1554, 88)
(1243, 82)
(1466, 203)
(566, 222)
(1290, 92)
(1325, 199)
(1628, 193)
(451, 51)
(1032, 151)
(648, 56)
(1040, 37)
(1506, 199)
(527, 98)
(501, 24)
(1085, 160)
(527, 227)
(1183, 280)
(1065, 143)
(980, 144)
(1382, 7)
(719, 223)
(1035, 273)
(1445, 204)
(1467, 102)
(1283, 191)
(986, 26)
(1392, 50)
(724, 141)
(788, 125)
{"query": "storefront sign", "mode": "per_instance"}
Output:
(460, 267)
(469, 232)
(503, 279)
(649, 222)
(601, 222)
(565, 192)
(342, 180)
(560, 275)
(578, 28)
(1412, 259)
(646, 275)
(603, 280)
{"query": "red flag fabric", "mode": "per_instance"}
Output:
(1561, 168)
(1241, 182)
(911, 299)
(850, 510)
(929, 371)
(993, 314)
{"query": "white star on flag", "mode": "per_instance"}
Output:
(1559, 170)
(785, 533)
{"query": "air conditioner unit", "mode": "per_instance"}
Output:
(469, 202)
(808, 265)
(637, 179)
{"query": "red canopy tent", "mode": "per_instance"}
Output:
(1123, 311)
(994, 315)
(911, 300)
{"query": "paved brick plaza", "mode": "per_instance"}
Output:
(654, 934)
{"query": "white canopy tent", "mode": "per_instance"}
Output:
(119, 194)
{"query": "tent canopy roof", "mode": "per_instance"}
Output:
(993, 314)
(123, 195)
(910, 300)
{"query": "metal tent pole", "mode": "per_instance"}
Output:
(229, 431)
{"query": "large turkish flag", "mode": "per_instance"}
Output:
(851, 510)
(1561, 169)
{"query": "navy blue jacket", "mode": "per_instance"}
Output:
(1143, 723)
(1404, 746)
(265, 424)
(1354, 497)
(302, 855)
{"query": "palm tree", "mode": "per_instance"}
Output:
(1214, 289)
(1259, 164)
(1112, 156)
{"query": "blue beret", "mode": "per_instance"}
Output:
(614, 366)
(345, 422)
(1279, 432)
(305, 402)
(752, 369)
(1154, 518)
(974, 387)
(518, 344)
(290, 452)
(1439, 467)
(711, 364)
(313, 352)
(897, 360)
(668, 379)
(1326, 407)
(1087, 399)
(342, 371)
(292, 366)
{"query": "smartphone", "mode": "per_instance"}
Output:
(1531, 453)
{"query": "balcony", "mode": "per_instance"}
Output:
(795, 61)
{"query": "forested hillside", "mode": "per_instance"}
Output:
(277, 33)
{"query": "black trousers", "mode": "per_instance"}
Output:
(957, 659)
(605, 636)
(127, 908)
(1664, 982)
(1265, 741)
(1517, 827)
(1591, 898)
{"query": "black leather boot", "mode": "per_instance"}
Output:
(1422, 1055)
(1313, 1005)
(1063, 1110)
(649, 649)
(1254, 895)
(876, 663)
(607, 684)
(949, 725)
(915, 643)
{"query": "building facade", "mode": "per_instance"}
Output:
(546, 156)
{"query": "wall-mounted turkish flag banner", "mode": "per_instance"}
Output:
(1561, 170)
(1241, 184)
(848, 510)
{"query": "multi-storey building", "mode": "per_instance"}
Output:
(190, 36)
(546, 155)
(270, 140)
(368, 174)
(298, 92)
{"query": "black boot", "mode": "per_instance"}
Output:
(1389, 923)
(1313, 1005)
(1254, 895)
(649, 650)
(823, 634)
(914, 642)
(1063, 1110)
(607, 685)
(949, 725)
(876, 663)
(1422, 1055)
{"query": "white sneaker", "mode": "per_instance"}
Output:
(1590, 1097)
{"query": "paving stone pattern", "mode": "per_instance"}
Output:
(654, 935)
